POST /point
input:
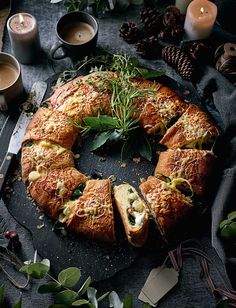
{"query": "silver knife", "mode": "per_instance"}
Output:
(35, 97)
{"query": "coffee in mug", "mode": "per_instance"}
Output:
(11, 87)
(77, 34)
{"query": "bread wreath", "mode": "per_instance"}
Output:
(47, 161)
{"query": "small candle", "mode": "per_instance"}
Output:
(182, 5)
(23, 32)
(200, 18)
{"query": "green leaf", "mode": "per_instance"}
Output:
(232, 215)
(58, 306)
(35, 270)
(146, 305)
(49, 287)
(91, 293)
(128, 301)
(66, 297)
(78, 192)
(2, 291)
(144, 148)
(127, 150)
(69, 277)
(99, 140)
(19, 303)
(145, 73)
(224, 223)
(114, 300)
(102, 297)
(55, 1)
(101, 122)
(229, 231)
(80, 302)
(85, 286)
(223, 303)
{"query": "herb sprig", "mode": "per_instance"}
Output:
(123, 124)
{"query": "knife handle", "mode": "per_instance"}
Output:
(4, 169)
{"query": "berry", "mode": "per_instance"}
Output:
(7, 234)
(14, 236)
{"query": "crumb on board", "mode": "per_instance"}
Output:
(123, 164)
(137, 160)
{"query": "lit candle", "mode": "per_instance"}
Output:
(182, 5)
(200, 18)
(23, 32)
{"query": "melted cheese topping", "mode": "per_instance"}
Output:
(67, 211)
(61, 188)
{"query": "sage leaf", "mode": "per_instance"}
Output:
(66, 297)
(102, 297)
(85, 286)
(100, 140)
(101, 122)
(128, 301)
(114, 300)
(69, 277)
(2, 291)
(49, 287)
(35, 270)
(91, 293)
(232, 216)
(80, 302)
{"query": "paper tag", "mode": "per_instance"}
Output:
(160, 281)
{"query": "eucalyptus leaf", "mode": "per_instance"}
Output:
(66, 297)
(102, 297)
(128, 301)
(114, 300)
(80, 302)
(85, 286)
(224, 223)
(69, 277)
(232, 215)
(49, 287)
(229, 231)
(100, 139)
(2, 291)
(35, 270)
(91, 293)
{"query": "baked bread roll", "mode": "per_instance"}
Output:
(50, 191)
(193, 165)
(53, 126)
(158, 108)
(92, 95)
(193, 129)
(167, 204)
(133, 212)
(92, 214)
(44, 155)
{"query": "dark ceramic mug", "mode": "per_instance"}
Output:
(77, 34)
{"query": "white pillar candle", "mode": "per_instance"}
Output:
(182, 5)
(24, 38)
(200, 18)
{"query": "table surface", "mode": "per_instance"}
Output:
(191, 291)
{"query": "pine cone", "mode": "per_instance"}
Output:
(180, 61)
(152, 20)
(200, 51)
(171, 16)
(177, 33)
(165, 34)
(130, 32)
(149, 48)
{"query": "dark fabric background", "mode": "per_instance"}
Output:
(217, 94)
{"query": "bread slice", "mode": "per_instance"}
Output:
(53, 126)
(92, 215)
(168, 205)
(133, 212)
(159, 107)
(193, 165)
(193, 129)
(51, 190)
(44, 155)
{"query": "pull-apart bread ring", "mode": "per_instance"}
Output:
(52, 190)
(193, 129)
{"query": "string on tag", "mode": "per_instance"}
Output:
(175, 258)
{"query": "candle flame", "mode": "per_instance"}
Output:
(21, 18)
(202, 10)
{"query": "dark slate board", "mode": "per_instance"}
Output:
(99, 260)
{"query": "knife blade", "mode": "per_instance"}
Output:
(33, 101)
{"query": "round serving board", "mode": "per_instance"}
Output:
(99, 260)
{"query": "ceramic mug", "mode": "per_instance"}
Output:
(11, 86)
(77, 34)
